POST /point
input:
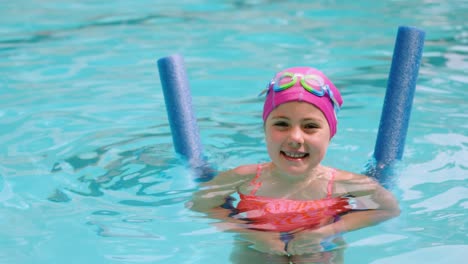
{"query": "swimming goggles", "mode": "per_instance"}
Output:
(312, 83)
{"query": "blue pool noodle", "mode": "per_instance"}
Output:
(398, 100)
(182, 120)
(176, 89)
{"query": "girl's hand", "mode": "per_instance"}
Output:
(305, 242)
(266, 242)
(263, 241)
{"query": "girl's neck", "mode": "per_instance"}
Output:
(310, 175)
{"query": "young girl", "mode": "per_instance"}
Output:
(293, 209)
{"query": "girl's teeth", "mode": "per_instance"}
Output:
(295, 155)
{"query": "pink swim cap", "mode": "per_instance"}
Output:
(304, 84)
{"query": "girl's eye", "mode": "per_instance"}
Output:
(281, 124)
(311, 126)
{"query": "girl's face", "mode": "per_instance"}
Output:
(297, 136)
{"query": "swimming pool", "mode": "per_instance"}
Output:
(87, 169)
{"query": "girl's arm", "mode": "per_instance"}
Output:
(213, 194)
(373, 205)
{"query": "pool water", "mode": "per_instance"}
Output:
(88, 173)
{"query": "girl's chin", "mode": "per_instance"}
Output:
(294, 168)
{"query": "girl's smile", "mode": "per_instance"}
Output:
(294, 155)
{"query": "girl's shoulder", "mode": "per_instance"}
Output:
(234, 176)
(346, 176)
(346, 181)
(246, 170)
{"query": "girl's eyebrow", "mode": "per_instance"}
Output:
(311, 119)
(280, 117)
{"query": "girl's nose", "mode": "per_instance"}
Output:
(296, 138)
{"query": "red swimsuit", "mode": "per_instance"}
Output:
(285, 215)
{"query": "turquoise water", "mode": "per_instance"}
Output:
(87, 169)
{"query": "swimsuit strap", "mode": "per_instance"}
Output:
(330, 183)
(256, 184)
